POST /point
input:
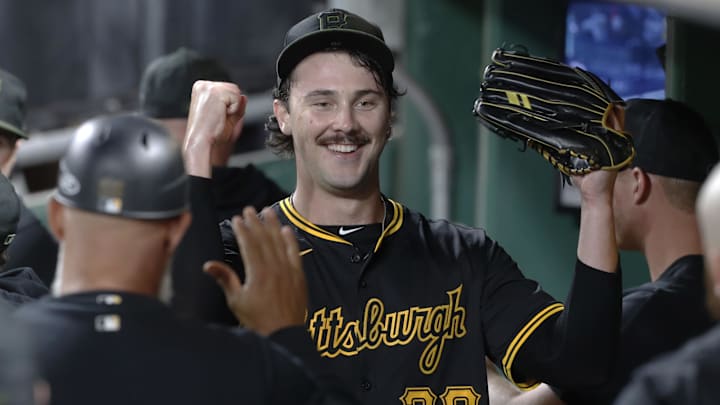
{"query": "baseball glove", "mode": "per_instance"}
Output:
(567, 114)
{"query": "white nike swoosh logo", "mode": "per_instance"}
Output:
(342, 231)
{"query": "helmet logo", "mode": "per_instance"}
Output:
(332, 20)
(68, 184)
(110, 193)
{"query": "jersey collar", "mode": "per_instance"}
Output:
(393, 222)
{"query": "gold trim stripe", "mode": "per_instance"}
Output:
(394, 225)
(306, 226)
(520, 339)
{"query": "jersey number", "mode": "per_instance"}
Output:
(461, 395)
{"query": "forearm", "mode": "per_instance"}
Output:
(502, 392)
(197, 155)
(596, 243)
(500, 389)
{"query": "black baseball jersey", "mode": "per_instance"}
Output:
(109, 347)
(33, 246)
(657, 317)
(406, 311)
(687, 376)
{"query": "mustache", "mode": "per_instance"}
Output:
(344, 138)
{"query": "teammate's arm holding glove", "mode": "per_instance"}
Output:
(575, 122)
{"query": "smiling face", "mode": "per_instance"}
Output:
(339, 118)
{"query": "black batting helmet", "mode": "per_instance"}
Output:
(124, 165)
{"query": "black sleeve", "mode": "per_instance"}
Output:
(235, 188)
(576, 347)
(33, 247)
(195, 294)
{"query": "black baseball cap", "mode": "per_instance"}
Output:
(671, 139)
(9, 212)
(334, 28)
(166, 84)
(12, 104)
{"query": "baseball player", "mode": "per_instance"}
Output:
(653, 200)
(404, 309)
(690, 375)
(33, 246)
(119, 212)
(21, 284)
(165, 90)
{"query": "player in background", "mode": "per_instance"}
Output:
(654, 212)
(17, 285)
(689, 375)
(33, 246)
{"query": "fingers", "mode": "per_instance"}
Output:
(263, 241)
(292, 249)
(244, 240)
(235, 111)
(224, 276)
(616, 118)
(257, 241)
(274, 294)
(276, 245)
(236, 103)
(237, 130)
(219, 106)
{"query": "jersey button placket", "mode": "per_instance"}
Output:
(365, 385)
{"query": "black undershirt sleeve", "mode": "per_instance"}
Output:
(576, 347)
(195, 294)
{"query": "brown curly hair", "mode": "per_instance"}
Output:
(281, 144)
